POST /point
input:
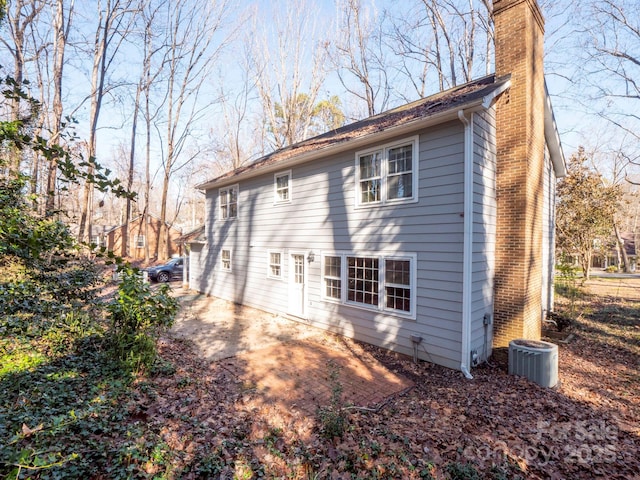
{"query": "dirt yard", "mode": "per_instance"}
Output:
(292, 410)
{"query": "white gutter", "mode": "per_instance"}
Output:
(553, 138)
(467, 257)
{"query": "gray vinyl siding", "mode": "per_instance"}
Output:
(196, 264)
(484, 232)
(322, 218)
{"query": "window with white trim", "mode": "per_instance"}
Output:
(225, 260)
(363, 280)
(275, 265)
(282, 187)
(387, 174)
(397, 284)
(381, 282)
(229, 202)
(140, 241)
(332, 277)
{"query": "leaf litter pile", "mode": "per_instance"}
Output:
(214, 423)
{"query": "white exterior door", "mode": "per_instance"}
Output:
(297, 285)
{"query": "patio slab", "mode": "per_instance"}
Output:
(284, 362)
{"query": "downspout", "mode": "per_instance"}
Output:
(467, 257)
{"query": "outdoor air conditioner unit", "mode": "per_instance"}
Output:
(535, 360)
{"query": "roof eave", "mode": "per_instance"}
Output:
(355, 144)
(553, 138)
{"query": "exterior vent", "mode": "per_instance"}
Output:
(535, 360)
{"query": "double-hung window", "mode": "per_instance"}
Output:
(387, 174)
(380, 282)
(332, 277)
(275, 265)
(229, 202)
(282, 187)
(370, 177)
(225, 260)
(140, 241)
(397, 284)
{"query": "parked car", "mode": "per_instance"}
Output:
(172, 270)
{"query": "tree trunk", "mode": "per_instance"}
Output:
(586, 265)
(59, 44)
(132, 154)
(626, 266)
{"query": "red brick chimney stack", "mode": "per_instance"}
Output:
(519, 36)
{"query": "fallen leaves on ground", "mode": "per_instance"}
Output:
(217, 425)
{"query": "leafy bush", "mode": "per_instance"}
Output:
(139, 315)
(459, 471)
(332, 417)
(612, 269)
(60, 389)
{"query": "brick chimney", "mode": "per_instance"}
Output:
(519, 35)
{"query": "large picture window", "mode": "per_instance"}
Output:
(229, 202)
(381, 282)
(387, 174)
(362, 278)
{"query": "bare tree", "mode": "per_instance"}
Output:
(437, 42)
(233, 145)
(63, 16)
(150, 13)
(288, 74)
(21, 16)
(359, 54)
(194, 41)
(614, 168)
(113, 25)
(612, 68)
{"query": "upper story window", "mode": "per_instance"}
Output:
(387, 174)
(229, 202)
(282, 187)
(140, 241)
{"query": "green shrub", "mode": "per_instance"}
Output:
(333, 417)
(459, 471)
(138, 316)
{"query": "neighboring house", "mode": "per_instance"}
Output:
(140, 235)
(195, 235)
(427, 228)
(629, 240)
(98, 235)
(613, 257)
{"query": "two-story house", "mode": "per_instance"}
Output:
(426, 229)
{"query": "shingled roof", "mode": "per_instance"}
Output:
(453, 99)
